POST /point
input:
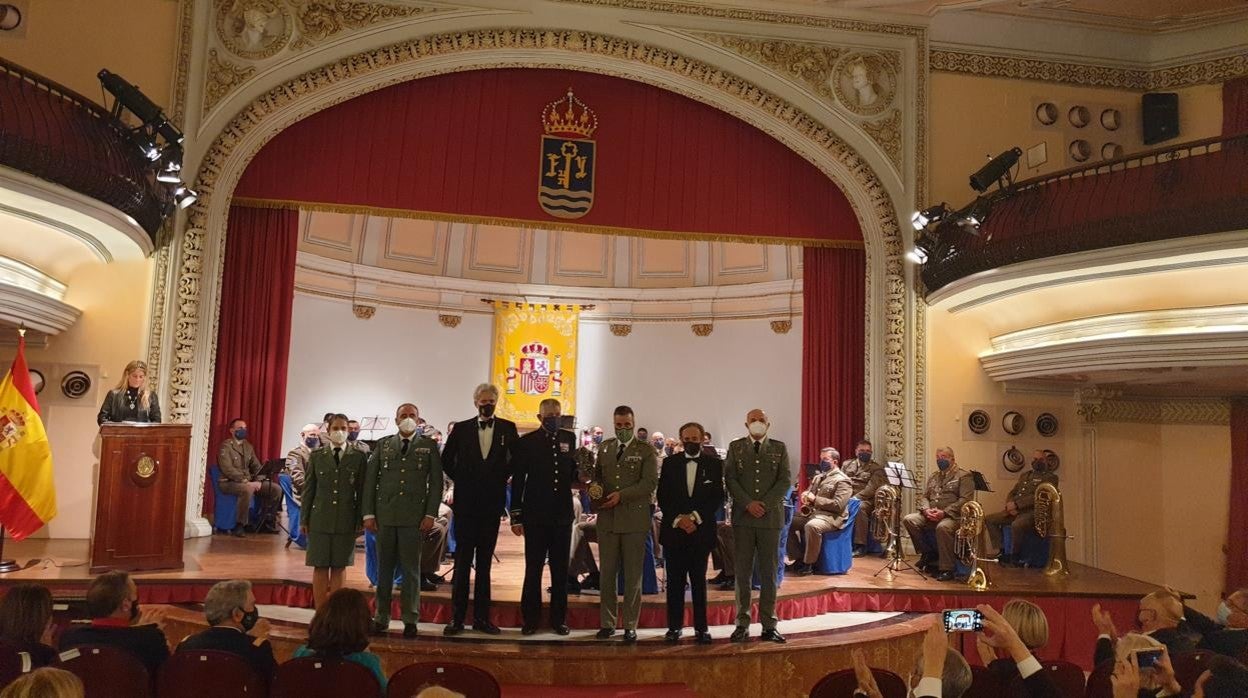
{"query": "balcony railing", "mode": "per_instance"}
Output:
(50, 131)
(1187, 189)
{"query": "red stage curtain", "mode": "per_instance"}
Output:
(833, 326)
(1235, 107)
(1237, 522)
(468, 145)
(253, 336)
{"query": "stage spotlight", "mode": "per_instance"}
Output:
(184, 196)
(147, 145)
(170, 172)
(169, 132)
(923, 247)
(129, 96)
(996, 169)
(921, 219)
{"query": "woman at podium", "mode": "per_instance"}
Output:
(131, 400)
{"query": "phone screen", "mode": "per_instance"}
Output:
(1147, 658)
(963, 620)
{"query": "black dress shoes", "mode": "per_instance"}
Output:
(238, 532)
(773, 636)
(455, 627)
(378, 628)
(740, 634)
(410, 630)
(803, 570)
(718, 579)
(528, 630)
(728, 584)
(486, 627)
(702, 637)
(859, 551)
(604, 633)
(945, 576)
(591, 581)
(671, 637)
(630, 637)
(562, 629)
(426, 585)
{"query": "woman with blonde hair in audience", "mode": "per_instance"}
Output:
(339, 630)
(132, 400)
(26, 623)
(47, 682)
(1031, 625)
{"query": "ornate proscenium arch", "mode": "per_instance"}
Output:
(191, 349)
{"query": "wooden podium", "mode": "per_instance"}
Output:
(140, 497)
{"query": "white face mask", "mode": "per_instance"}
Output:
(758, 429)
(338, 437)
(1224, 613)
(408, 425)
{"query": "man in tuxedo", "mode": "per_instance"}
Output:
(477, 458)
(544, 472)
(691, 492)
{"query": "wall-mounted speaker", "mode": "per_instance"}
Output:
(1160, 116)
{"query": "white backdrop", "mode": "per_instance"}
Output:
(666, 373)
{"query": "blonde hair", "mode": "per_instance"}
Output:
(428, 691)
(47, 682)
(1029, 621)
(144, 392)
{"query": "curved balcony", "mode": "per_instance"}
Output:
(56, 134)
(1184, 190)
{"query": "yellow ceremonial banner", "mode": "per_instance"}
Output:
(534, 358)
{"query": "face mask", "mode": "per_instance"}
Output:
(353, 435)
(668, 450)
(597, 439)
(864, 457)
(824, 466)
(338, 437)
(312, 441)
(240, 433)
(408, 425)
(658, 443)
(758, 429)
(134, 611)
(624, 434)
(486, 411)
(692, 448)
(942, 463)
(1224, 613)
(249, 618)
(1039, 465)
(550, 424)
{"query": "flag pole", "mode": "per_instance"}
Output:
(7, 565)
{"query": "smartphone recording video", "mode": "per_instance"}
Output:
(963, 620)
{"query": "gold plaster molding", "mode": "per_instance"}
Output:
(364, 312)
(702, 329)
(319, 20)
(222, 78)
(621, 329)
(1089, 75)
(781, 326)
(1187, 412)
(449, 320)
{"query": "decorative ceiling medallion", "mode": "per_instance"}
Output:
(448, 320)
(1046, 424)
(621, 329)
(865, 83)
(703, 329)
(781, 326)
(364, 312)
(1013, 459)
(1013, 423)
(978, 422)
(253, 29)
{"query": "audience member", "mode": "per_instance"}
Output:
(1158, 617)
(116, 621)
(1223, 678)
(1228, 633)
(47, 682)
(237, 627)
(339, 630)
(939, 672)
(1003, 635)
(1028, 622)
(438, 692)
(26, 622)
(1130, 681)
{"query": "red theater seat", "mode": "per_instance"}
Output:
(107, 672)
(984, 684)
(208, 674)
(1188, 666)
(842, 683)
(11, 665)
(468, 680)
(1068, 678)
(313, 677)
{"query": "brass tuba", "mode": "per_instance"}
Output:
(883, 511)
(966, 543)
(1051, 523)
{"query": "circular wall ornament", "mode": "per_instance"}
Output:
(1053, 461)
(1013, 423)
(1046, 424)
(37, 381)
(1013, 459)
(1111, 151)
(1079, 116)
(75, 385)
(1080, 150)
(864, 82)
(253, 29)
(1111, 119)
(1046, 113)
(978, 422)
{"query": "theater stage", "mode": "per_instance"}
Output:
(281, 579)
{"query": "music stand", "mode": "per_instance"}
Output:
(900, 477)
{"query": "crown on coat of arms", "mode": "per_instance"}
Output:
(535, 349)
(569, 116)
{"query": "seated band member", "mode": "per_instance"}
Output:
(240, 477)
(131, 400)
(544, 470)
(297, 458)
(1020, 506)
(827, 496)
(691, 491)
(940, 508)
(867, 476)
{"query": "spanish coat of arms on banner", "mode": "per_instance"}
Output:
(566, 185)
(534, 358)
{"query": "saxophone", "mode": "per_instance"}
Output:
(805, 509)
(1051, 524)
(966, 542)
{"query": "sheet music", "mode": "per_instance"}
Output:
(900, 476)
(374, 423)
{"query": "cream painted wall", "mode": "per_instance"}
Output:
(70, 40)
(668, 375)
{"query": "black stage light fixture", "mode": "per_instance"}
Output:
(929, 215)
(184, 196)
(129, 97)
(997, 169)
(924, 245)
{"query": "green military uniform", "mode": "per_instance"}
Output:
(946, 491)
(332, 493)
(867, 480)
(402, 487)
(622, 530)
(1023, 495)
(757, 471)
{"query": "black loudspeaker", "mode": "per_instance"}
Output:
(1161, 116)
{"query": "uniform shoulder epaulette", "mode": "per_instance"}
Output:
(777, 441)
(738, 440)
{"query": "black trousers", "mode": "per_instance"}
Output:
(685, 563)
(475, 538)
(543, 542)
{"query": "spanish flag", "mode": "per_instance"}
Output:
(27, 494)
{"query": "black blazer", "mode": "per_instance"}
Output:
(707, 500)
(147, 642)
(117, 409)
(1214, 637)
(260, 657)
(480, 483)
(544, 474)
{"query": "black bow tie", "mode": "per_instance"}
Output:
(487, 424)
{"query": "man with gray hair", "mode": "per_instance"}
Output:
(237, 627)
(477, 458)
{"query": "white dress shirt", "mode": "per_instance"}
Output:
(486, 438)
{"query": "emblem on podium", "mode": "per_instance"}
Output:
(566, 185)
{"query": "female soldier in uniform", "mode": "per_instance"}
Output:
(332, 500)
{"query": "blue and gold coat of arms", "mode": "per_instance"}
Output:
(566, 184)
